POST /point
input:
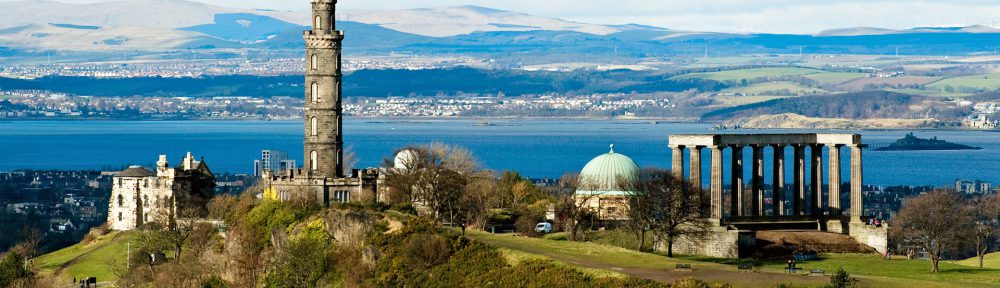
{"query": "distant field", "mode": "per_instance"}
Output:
(930, 93)
(772, 87)
(85, 260)
(985, 82)
(859, 84)
(747, 100)
(749, 74)
(833, 78)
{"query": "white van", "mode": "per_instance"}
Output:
(544, 227)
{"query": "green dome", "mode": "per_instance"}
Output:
(603, 174)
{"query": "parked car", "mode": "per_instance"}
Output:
(544, 227)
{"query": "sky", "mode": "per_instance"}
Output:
(770, 16)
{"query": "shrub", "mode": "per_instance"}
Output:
(842, 280)
(213, 282)
(427, 250)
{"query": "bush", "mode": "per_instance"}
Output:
(526, 225)
(842, 280)
(213, 282)
(427, 250)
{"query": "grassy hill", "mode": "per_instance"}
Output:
(87, 259)
(833, 78)
(861, 105)
(991, 261)
(775, 88)
(988, 82)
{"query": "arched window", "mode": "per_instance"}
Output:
(315, 92)
(315, 62)
(145, 201)
(313, 159)
(314, 127)
(121, 201)
(318, 23)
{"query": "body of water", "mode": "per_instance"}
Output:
(536, 148)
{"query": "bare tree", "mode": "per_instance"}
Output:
(985, 214)
(666, 206)
(575, 208)
(938, 221)
(433, 177)
(480, 196)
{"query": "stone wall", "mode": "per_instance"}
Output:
(875, 237)
(720, 243)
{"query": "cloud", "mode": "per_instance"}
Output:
(776, 16)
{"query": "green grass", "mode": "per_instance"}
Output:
(930, 93)
(833, 78)
(770, 88)
(991, 261)
(872, 269)
(85, 260)
(900, 271)
(985, 82)
(516, 257)
(749, 74)
(747, 100)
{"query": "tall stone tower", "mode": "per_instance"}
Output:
(324, 142)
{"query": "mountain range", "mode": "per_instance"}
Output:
(158, 25)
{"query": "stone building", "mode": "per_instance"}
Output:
(600, 185)
(140, 196)
(323, 176)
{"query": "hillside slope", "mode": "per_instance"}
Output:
(854, 106)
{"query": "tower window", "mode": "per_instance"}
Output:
(121, 201)
(119, 216)
(313, 127)
(315, 62)
(318, 23)
(315, 92)
(313, 158)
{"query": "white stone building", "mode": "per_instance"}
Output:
(140, 196)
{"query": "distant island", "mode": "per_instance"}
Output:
(913, 143)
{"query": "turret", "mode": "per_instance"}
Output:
(323, 16)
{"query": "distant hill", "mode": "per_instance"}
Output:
(853, 106)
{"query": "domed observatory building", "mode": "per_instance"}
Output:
(602, 185)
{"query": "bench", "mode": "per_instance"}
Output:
(817, 272)
(683, 267)
(746, 267)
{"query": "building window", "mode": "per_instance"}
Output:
(145, 201)
(119, 216)
(313, 127)
(315, 62)
(121, 201)
(158, 204)
(313, 158)
(341, 196)
(315, 92)
(318, 23)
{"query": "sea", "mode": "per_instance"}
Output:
(535, 148)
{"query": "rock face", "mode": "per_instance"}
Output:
(796, 121)
(350, 227)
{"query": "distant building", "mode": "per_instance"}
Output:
(973, 187)
(274, 161)
(140, 196)
(600, 185)
(323, 177)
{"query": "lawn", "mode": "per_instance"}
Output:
(770, 88)
(85, 260)
(991, 261)
(749, 74)
(872, 269)
(985, 82)
(834, 78)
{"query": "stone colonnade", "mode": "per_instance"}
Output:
(801, 198)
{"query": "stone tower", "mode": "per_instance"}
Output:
(323, 110)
